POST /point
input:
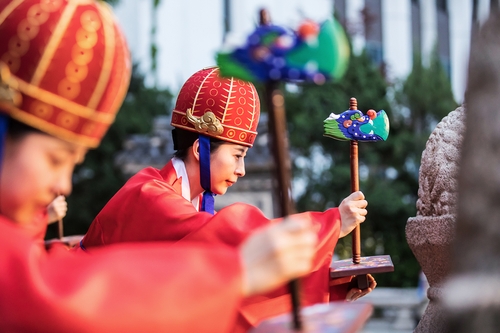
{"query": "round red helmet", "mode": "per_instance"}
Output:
(64, 67)
(223, 108)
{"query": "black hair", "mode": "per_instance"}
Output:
(16, 130)
(183, 140)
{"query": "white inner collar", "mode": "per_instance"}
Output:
(180, 170)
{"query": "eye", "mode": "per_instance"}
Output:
(57, 160)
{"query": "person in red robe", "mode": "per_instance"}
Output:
(64, 71)
(215, 121)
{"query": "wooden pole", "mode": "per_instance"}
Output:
(60, 231)
(362, 280)
(275, 102)
(356, 235)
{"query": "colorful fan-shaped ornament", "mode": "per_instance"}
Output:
(313, 53)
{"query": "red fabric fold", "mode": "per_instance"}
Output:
(121, 288)
(150, 207)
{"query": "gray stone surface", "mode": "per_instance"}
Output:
(431, 232)
(472, 294)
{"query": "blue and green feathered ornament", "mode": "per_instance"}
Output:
(314, 53)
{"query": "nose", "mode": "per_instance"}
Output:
(63, 184)
(240, 169)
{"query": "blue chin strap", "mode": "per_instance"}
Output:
(4, 121)
(207, 204)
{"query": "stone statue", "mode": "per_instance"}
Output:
(431, 232)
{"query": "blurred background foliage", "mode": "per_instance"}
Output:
(388, 170)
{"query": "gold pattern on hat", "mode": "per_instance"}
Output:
(67, 120)
(41, 110)
(8, 95)
(76, 73)
(9, 9)
(81, 56)
(18, 47)
(207, 123)
(68, 89)
(26, 30)
(50, 5)
(36, 15)
(109, 54)
(11, 61)
(90, 21)
(86, 39)
(56, 37)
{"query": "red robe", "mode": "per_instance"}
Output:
(123, 288)
(150, 207)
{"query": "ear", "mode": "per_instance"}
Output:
(195, 149)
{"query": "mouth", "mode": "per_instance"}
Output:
(230, 183)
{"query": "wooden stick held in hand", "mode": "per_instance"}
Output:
(279, 146)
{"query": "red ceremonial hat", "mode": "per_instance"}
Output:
(64, 67)
(223, 108)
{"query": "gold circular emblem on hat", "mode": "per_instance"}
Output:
(81, 56)
(66, 120)
(26, 30)
(36, 15)
(68, 89)
(90, 21)
(86, 39)
(12, 62)
(50, 5)
(76, 73)
(18, 47)
(41, 110)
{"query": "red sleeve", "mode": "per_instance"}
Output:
(234, 223)
(125, 288)
(147, 209)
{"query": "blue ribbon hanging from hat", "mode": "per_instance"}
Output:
(4, 121)
(207, 203)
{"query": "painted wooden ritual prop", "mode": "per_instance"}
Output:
(314, 53)
(352, 125)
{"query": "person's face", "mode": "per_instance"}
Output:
(35, 169)
(227, 163)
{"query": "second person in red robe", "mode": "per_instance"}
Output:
(215, 121)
